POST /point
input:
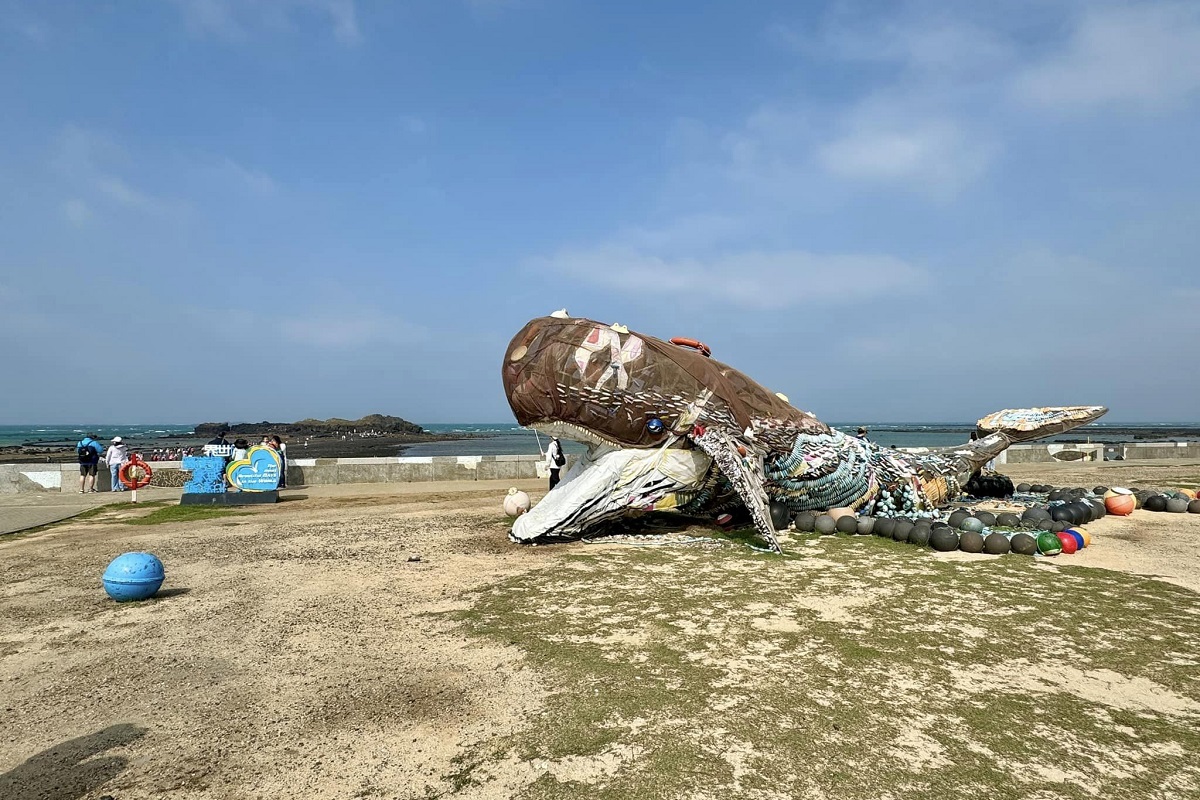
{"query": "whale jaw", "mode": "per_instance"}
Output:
(608, 483)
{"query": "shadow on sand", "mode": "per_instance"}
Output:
(71, 769)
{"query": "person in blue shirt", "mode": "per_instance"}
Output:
(89, 451)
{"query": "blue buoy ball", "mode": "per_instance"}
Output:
(133, 576)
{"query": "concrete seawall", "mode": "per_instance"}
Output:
(323, 471)
(1034, 453)
(301, 472)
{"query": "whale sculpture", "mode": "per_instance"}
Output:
(670, 428)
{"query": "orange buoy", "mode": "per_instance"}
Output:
(1120, 505)
(683, 341)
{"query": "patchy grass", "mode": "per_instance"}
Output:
(860, 668)
(174, 513)
(746, 536)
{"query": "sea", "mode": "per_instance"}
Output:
(508, 438)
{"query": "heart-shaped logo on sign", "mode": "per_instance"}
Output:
(257, 472)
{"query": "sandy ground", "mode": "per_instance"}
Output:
(287, 654)
(291, 652)
(1156, 545)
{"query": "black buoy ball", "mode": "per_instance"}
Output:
(1177, 505)
(1007, 519)
(1024, 544)
(781, 515)
(825, 525)
(943, 540)
(1155, 503)
(996, 544)
(847, 524)
(806, 521)
(971, 542)
(1063, 514)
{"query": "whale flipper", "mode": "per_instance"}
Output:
(745, 475)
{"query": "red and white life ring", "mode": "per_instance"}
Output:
(136, 480)
(683, 341)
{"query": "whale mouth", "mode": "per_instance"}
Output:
(608, 483)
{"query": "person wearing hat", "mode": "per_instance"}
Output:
(862, 434)
(116, 456)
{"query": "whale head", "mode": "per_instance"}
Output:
(636, 401)
(602, 384)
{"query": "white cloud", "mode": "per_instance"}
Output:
(683, 234)
(914, 40)
(89, 162)
(913, 123)
(254, 181)
(77, 212)
(240, 20)
(1142, 55)
(753, 280)
(100, 176)
(122, 192)
(414, 124)
(349, 330)
(931, 156)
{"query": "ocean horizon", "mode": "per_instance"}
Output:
(508, 438)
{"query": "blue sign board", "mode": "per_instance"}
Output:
(208, 475)
(257, 472)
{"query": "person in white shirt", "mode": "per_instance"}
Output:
(115, 456)
(554, 460)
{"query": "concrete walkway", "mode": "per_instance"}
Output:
(25, 510)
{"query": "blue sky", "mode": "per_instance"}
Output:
(275, 209)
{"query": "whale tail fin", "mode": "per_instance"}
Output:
(1012, 425)
(1026, 424)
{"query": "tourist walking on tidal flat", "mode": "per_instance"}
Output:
(116, 456)
(89, 451)
(554, 460)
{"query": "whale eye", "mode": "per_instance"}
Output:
(654, 425)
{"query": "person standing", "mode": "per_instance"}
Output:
(862, 434)
(281, 448)
(554, 460)
(88, 450)
(116, 456)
